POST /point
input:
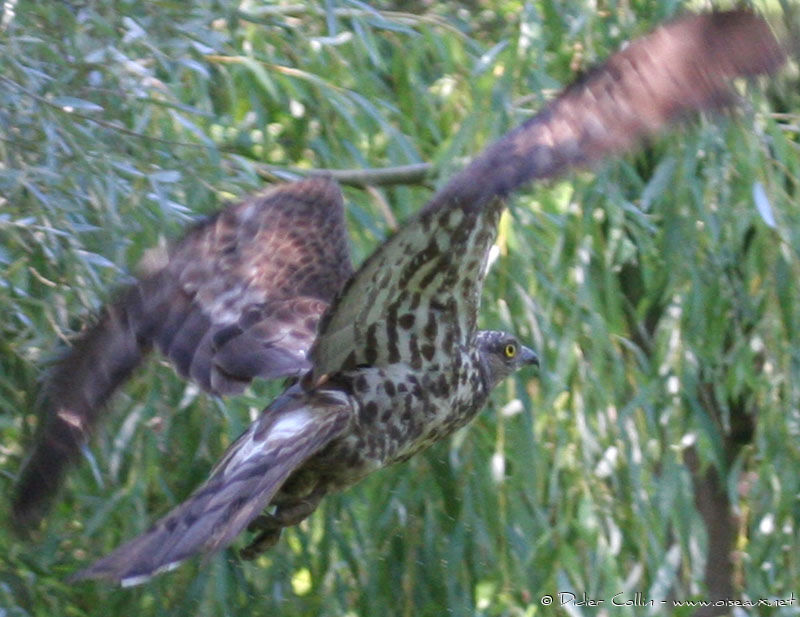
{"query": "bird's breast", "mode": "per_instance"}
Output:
(399, 411)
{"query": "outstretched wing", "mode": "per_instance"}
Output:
(238, 297)
(682, 67)
(253, 469)
(422, 287)
(251, 283)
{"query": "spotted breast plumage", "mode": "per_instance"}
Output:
(388, 358)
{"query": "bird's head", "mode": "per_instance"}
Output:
(501, 354)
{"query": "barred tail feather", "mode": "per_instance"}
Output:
(241, 485)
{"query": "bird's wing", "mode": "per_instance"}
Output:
(681, 67)
(429, 274)
(253, 469)
(238, 297)
(252, 284)
(415, 297)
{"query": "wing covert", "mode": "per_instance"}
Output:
(251, 283)
(419, 292)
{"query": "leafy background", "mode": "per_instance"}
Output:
(663, 304)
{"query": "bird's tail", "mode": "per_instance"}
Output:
(73, 398)
(684, 66)
(293, 428)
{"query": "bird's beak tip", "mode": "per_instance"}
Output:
(530, 357)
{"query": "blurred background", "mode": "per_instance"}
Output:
(656, 451)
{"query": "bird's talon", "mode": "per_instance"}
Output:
(264, 541)
(263, 522)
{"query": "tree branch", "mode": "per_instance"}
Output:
(384, 176)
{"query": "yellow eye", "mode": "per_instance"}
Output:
(510, 350)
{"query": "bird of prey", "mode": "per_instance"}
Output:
(388, 357)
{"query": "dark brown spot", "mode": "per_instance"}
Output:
(413, 350)
(392, 335)
(442, 386)
(407, 321)
(461, 234)
(449, 338)
(443, 264)
(369, 412)
(425, 255)
(350, 361)
(431, 327)
(371, 351)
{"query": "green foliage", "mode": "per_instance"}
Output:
(652, 288)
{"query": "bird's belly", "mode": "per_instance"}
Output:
(397, 413)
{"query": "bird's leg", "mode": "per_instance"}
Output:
(271, 525)
(263, 541)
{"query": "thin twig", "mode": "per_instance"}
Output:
(416, 173)
(383, 206)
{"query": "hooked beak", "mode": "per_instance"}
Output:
(529, 356)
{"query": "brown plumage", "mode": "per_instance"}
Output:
(397, 363)
(238, 297)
